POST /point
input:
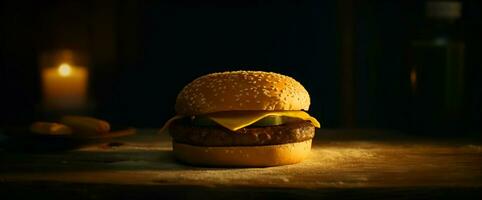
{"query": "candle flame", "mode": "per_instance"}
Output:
(64, 70)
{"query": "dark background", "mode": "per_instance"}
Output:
(351, 56)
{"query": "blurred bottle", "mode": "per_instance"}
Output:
(436, 71)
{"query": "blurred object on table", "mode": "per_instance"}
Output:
(50, 128)
(86, 125)
(72, 132)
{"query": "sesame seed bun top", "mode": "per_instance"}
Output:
(241, 90)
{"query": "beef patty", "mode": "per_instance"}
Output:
(182, 131)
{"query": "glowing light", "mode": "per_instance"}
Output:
(413, 79)
(64, 70)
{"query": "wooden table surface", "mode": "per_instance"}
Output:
(347, 164)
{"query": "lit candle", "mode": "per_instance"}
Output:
(65, 87)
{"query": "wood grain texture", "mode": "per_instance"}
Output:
(372, 163)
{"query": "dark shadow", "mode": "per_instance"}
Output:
(324, 136)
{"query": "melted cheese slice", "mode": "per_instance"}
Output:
(239, 119)
(235, 120)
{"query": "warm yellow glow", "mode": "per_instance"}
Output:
(64, 70)
(65, 86)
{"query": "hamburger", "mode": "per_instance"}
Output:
(242, 119)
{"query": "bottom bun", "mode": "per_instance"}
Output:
(243, 156)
